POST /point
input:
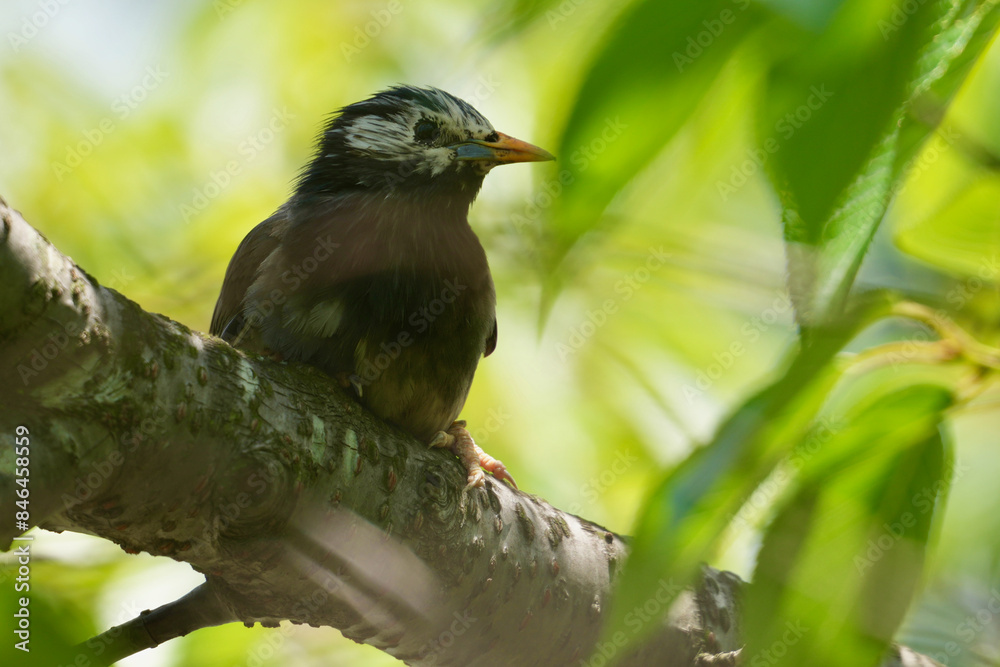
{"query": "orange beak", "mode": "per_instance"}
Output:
(505, 150)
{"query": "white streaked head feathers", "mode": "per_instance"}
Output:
(387, 130)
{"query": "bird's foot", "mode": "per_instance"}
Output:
(475, 460)
(349, 381)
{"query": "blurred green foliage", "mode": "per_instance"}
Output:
(704, 308)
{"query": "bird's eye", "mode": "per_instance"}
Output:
(426, 131)
(492, 137)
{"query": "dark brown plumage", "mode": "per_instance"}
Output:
(371, 272)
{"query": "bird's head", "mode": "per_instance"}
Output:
(410, 140)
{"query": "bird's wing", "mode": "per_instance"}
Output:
(325, 288)
(243, 267)
(334, 294)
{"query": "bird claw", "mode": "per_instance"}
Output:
(473, 458)
(441, 439)
(350, 381)
(495, 467)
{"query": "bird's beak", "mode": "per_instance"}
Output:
(505, 150)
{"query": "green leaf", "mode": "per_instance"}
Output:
(947, 213)
(842, 559)
(832, 99)
(685, 516)
(656, 65)
(965, 33)
(842, 159)
(963, 235)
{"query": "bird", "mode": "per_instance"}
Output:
(371, 271)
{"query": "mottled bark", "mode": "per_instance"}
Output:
(293, 501)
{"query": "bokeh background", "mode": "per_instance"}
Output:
(145, 139)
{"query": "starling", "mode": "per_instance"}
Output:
(371, 272)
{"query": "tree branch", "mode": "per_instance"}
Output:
(198, 609)
(294, 501)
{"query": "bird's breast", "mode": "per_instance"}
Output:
(403, 307)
